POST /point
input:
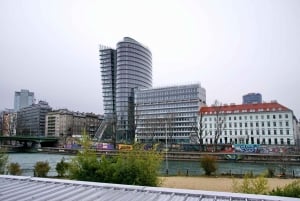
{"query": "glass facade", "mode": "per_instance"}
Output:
(169, 112)
(23, 98)
(122, 71)
(134, 70)
(252, 98)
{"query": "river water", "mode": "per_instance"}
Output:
(28, 160)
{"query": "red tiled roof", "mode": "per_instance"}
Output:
(257, 107)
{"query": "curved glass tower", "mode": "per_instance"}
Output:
(134, 70)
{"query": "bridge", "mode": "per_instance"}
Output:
(37, 139)
(27, 143)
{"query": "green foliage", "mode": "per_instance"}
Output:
(290, 190)
(3, 161)
(137, 167)
(62, 167)
(258, 185)
(85, 165)
(209, 165)
(14, 169)
(41, 169)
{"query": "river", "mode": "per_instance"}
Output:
(28, 160)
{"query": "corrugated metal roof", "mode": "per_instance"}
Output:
(22, 188)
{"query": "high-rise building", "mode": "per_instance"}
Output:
(252, 98)
(123, 70)
(168, 113)
(23, 98)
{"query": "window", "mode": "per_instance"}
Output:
(286, 116)
(280, 116)
(281, 132)
(269, 124)
(269, 132)
(275, 132)
(274, 116)
(256, 124)
(287, 123)
(281, 141)
(268, 116)
(274, 124)
(245, 124)
(263, 132)
(287, 132)
(262, 124)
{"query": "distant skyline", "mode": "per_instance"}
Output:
(231, 47)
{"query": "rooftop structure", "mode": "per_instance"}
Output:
(36, 189)
(252, 98)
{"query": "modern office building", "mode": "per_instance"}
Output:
(259, 123)
(64, 123)
(252, 98)
(123, 70)
(168, 113)
(31, 120)
(23, 98)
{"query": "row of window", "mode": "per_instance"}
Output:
(167, 93)
(251, 117)
(246, 124)
(250, 132)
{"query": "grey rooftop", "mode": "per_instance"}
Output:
(24, 188)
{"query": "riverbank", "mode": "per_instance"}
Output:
(214, 183)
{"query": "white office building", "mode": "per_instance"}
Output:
(167, 113)
(261, 123)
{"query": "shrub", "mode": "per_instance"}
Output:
(209, 165)
(62, 168)
(258, 185)
(41, 169)
(14, 169)
(3, 161)
(290, 190)
(136, 167)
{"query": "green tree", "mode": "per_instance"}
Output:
(62, 167)
(41, 169)
(14, 169)
(85, 165)
(209, 164)
(290, 190)
(3, 161)
(137, 167)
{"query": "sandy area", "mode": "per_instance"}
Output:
(214, 184)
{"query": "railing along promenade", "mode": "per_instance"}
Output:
(196, 156)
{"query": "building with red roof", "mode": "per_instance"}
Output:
(258, 123)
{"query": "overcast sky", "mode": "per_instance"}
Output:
(230, 47)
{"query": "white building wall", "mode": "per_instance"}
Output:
(272, 127)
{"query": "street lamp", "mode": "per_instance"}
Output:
(167, 166)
